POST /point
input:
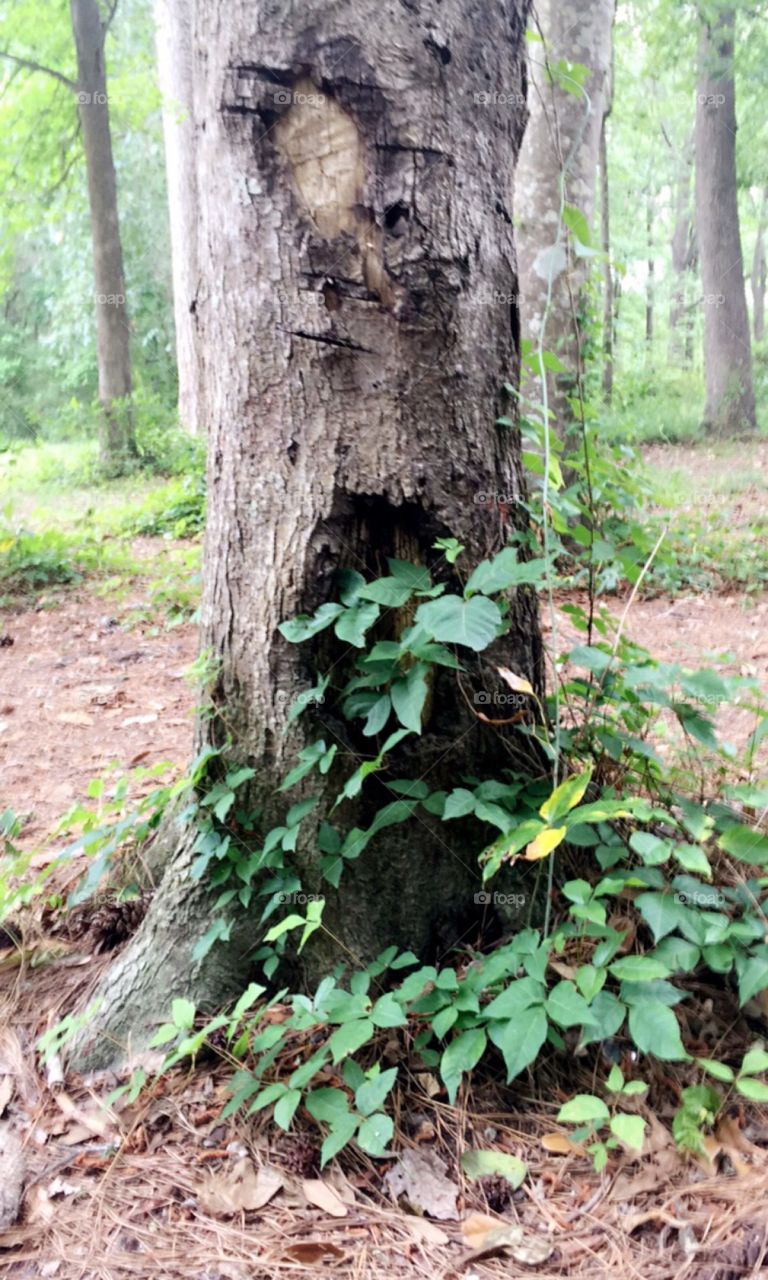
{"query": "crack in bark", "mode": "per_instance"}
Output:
(330, 339)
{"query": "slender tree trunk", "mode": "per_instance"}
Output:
(562, 140)
(683, 256)
(355, 189)
(112, 327)
(730, 400)
(173, 39)
(650, 278)
(605, 234)
(759, 275)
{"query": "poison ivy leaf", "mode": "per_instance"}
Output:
(566, 1007)
(327, 1104)
(755, 1061)
(353, 624)
(458, 804)
(638, 969)
(755, 1090)
(342, 1131)
(693, 859)
(286, 1107)
(377, 716)
(387, 1012)
(608, 1014)
(349, 1037)
(519, 995)
(392, 592)
(375, 1133)
(584, 1109)
(654, 1029)
(545, 843)
(370, 1095)
(303, 627)
(651, 849)
(409, 695)
(505, 571)
(746, 844)
(629, 1129)
(461, 1056)
(565, 797)
(720, 1070)
(590, 981)
(520, 1039)
(474, 622)
(753, 977)
(660, 911)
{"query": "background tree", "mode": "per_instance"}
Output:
(173, 19)
(353, 356)
(561, 148)
(730, 401)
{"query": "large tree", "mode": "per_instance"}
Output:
(558, 164)
(355, 184)
(730, 399)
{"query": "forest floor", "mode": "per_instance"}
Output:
(92, 682)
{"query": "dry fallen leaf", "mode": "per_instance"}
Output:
(420, 1176)
(559, 1144)
(518, 683)
(323, 1197)
(241, 1187)
(311, 1251)
(12, 1170)
(425, 1230)
(6, 1092)
(486, 1235)
(74, 717)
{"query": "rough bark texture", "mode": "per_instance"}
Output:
(758, 277)
(357, 319)
(730, 401)
(173, 40)
(112, 328)
(684, 258)
(605, 244)
(563, 135)
(650, 277)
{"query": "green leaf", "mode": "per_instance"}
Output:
(660, 911)
(654, 1029)
(285, 926)
(377, 716)
(473, 623)
(650, 848)
(392, 592)
(753, 977)
(375, 1134)
(755, 1061)
(461, 1055)
(458, 804)
(303, 628)
(745, 844)
(387, 1012)
(371, 1094)
(514, 999)
(342, 1131)
(585, 1108)
(183, 1014)
(693, 859)
(590, 980)
(566, 1007)
(349, 1037)
(577, 224)
(629, 1129)
(505, 571)
(755, 1090)
(481, 1164)
(353, 624)
(520, 1039)
(608, 1014)
(286, 1107)
(717, 1069)
(327, 1104)
(615, 1081)
(565, 797)
(638, 969)
(444, 1020)
(409, 695)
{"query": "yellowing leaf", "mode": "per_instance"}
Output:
(518, 683)
(565, 797)
(545, 842)
(559, 1144)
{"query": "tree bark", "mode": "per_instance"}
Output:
(650, 277)
(112, 327)
(562, 139)
(357, 317)
(173, 41)
(605, 235)
(759, 275)
(730, 401)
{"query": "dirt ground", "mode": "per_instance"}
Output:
(155, 1188)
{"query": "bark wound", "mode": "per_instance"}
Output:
(326, 155)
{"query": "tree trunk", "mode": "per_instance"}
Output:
(683, 247)
(605, 235)
(357, 318)
(730, 400)
(112, 327)
(758, 276)
(562, 140)
(173, 40)
(650, 277)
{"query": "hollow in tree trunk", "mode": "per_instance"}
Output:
(730, 400)
(357, 320)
